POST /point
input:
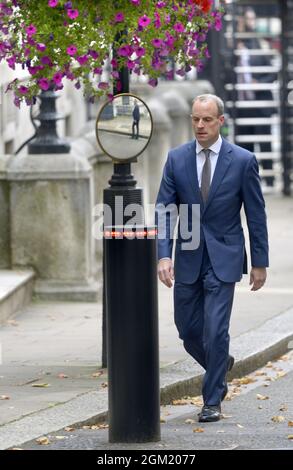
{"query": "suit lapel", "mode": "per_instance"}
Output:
(223, 163)
(191, 170)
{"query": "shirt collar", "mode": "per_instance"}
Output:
(215, 147)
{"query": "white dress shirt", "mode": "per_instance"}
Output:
(200, 158)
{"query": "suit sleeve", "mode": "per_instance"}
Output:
(166, 211)
(254, 207)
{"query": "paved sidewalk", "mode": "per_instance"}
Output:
(50, 375)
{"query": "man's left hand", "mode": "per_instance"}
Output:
(257, 278)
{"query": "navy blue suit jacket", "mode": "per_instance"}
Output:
(235, 183)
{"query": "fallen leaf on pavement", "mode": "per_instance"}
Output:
(290, 423)
(243, 381)
(239, 426)
(59, 438)
(4, 397)
(278, 419)
(12, 323)
(43, 441)
(97, 374)
(259, 373)
(226, 416)
(41, 385)
(104, 385)
(198, 430)
(221, 430)
(162, 420)
(283, 408)
(259, 407)
(290, 436)
(69, 429)
(269, 364)
(189, 421)
(281, 374)
(262, 397)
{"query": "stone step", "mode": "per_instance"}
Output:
(16, 289)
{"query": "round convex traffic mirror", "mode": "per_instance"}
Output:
(124, 127)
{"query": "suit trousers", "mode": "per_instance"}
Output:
(202, 316)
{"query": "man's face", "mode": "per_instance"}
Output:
(206, 122)
(250, 21)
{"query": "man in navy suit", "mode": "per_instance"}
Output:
(220, 177)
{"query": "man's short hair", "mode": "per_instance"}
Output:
(209, 97)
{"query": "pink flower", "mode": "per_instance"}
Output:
(98, 70)
(140, 51)
(52, 3)
(57, 78)
(130, 64)
(82, 59)
(119, 17)
(144, 21)
(124, 51)
(157, 42)
(31, 30)
(71, 50)
(179, 27)
(44, 83)
(135, 2)
(72, 13)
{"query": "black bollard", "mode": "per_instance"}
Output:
(132, 334)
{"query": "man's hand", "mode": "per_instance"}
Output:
(257, 278)
(166, 271)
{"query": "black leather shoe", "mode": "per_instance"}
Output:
(209, 414)
(231, 361)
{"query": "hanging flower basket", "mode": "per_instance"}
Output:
(56, 40)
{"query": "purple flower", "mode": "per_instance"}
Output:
(52, 3)
(135, 2)
(72, 13)
(157, 42)
(71, 50)
(46, 60)
(161, 4)
(11, 62)
(44, 83)
(68, 5)
(57, 78)
(124, 51)
(98, 70)
(144, 21)
(82, 59)
(103, 85)
(140, 51)
(179, 27)
(31, 30)
(41, 47)
(153, 82)
(93, 54)
(130, 64)
(33, 70)
(119, 17)
(23, 89)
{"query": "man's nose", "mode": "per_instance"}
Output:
(200, 123)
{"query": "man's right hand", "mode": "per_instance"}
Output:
(166, 271)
